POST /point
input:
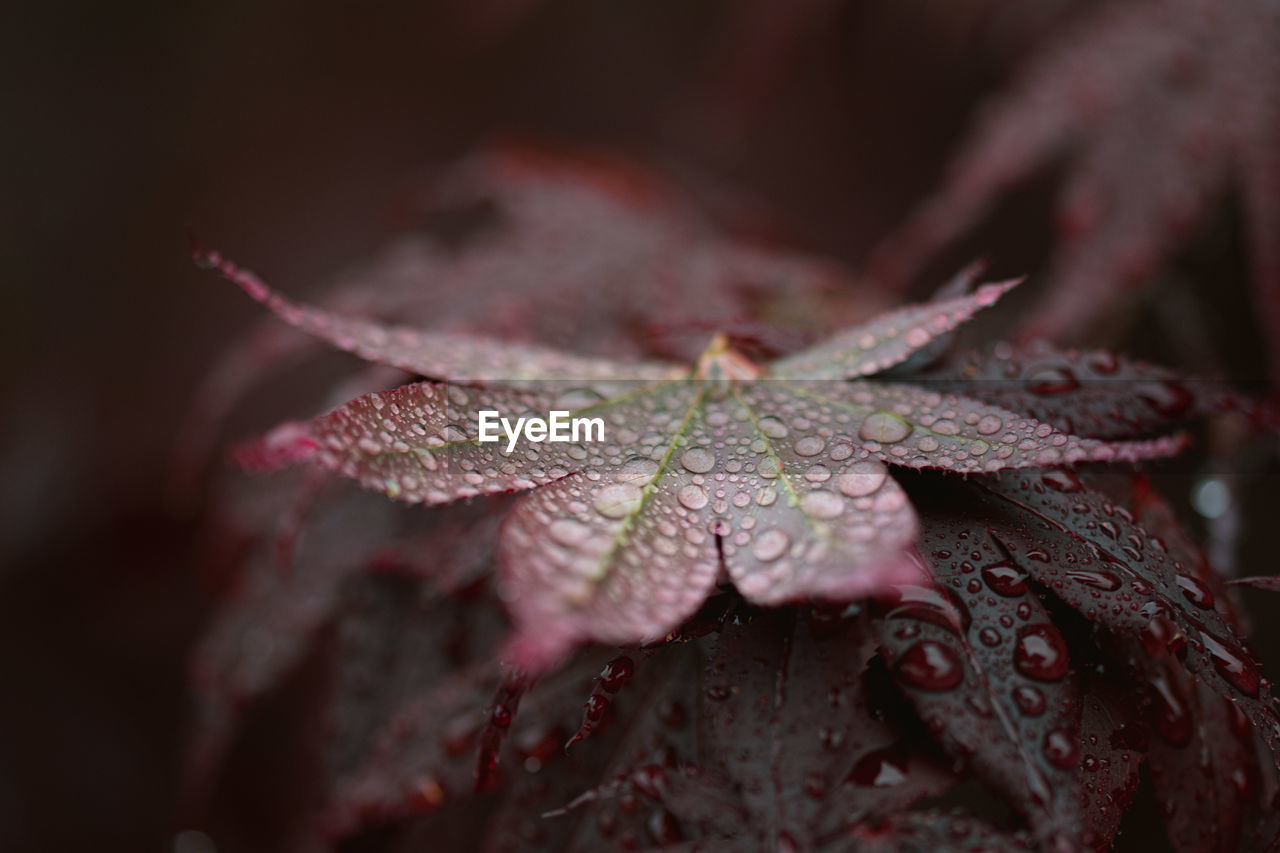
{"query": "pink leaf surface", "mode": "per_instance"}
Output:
(780, 483)
(888, 340)
(439, 355)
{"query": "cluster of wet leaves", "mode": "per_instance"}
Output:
(858, 597)
(895, 722)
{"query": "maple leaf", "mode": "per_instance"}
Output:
(1157, 106)
(563, 244)
(777, 473)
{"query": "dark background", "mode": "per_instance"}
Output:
(288, 134)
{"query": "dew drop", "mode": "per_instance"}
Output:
(1041, 653)
(1234, 666)
(568, 532)
(692, 496)
(810, 445)
(989, 637)
(773, 427)
(1005, 579)
(1195, 591)
(1169, 398)
(824, 505)
(719, 692)
(1098, 580)
(831, 739)
(771, 545)
(616, 673)
(699, 460)
(990, 424)
(617, 500)
(672, 714)
(884, 427)
(638, 470)
(935, 605)
(1030, 700)
(1061, 480)
(818, 474)
(1060, 748)
(1161, 635)
(662, 828)
(929, 665)
(577, 398)
(863, 478)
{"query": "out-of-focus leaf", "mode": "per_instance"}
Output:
(439, 355)
(1270, 583)
(1157, 107)
(1202, 762)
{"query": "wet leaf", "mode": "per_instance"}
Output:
(782, 481)
(1093, 556)
(988, 672)
(922, 832)
(440, 355)
(1202, 762)
(1091, 393)
(1112, 746)
(773, 766)
(888, 340)
(787, 720)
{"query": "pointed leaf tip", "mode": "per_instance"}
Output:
(988, 294)
(247, 281)
(890, 339)
(288, 444)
